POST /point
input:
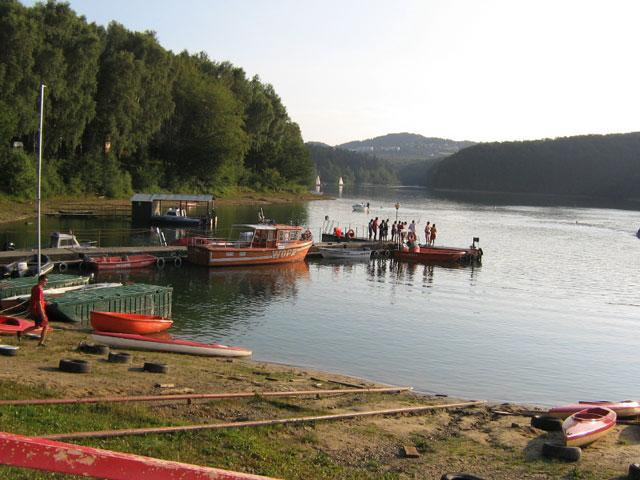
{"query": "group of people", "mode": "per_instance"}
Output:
(401, 232)
(378, 229)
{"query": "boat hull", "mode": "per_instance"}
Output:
(223, 256)
(588, 425)
(12, 325)
(345, 253)
(121, 263)
(128, 322)
(139, 342)
(440, 255)
(622, 409)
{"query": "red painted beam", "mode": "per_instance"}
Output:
(51, 456)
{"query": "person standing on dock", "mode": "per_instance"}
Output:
(434, 232)
(427, 234)
(370, 228)
(393, 232)
(375, 226)
(37, 310)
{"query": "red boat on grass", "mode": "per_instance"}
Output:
(426, 254)
(121, 262)
(625, 408)
(12, 325)
(51, 456)
(135, 323)
(588, 425)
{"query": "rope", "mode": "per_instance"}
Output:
(15, 306)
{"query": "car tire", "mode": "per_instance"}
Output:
(156, 367)
(552, 450)
(74, 365)
(546, 423)
(93, 348)
(9, 350)
(119, 357)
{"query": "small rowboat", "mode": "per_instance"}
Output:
(140, 342)
(588, 425)
(626, 408)
(128, 322)
(121, 262)
(13, 325)
(345, 253)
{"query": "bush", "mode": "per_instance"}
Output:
(19, 175)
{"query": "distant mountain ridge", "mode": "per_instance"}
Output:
(407, 146)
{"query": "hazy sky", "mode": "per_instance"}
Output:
(468, 70)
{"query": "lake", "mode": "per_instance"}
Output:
(550, 315)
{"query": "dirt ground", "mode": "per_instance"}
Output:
(480, 440)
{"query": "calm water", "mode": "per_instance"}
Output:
(551, 315)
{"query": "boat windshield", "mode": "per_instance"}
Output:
(242, 235)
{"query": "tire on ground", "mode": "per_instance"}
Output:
(119, 357)
(8, 350)
(62, 267)
(571, 454)
(549, 424)
(160, 262)
(177, 261)
(74, 365)
(156, 367)
(93, 348)
(634, 471)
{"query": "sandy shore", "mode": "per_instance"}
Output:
(476, 440)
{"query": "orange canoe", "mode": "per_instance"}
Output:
(128, 322)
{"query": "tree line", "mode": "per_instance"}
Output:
(590, 165)
(122, 113)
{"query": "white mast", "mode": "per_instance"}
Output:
(318, 181)
(42, 87)
(340, 182)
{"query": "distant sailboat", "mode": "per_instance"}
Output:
(340, 182)
(318, 181)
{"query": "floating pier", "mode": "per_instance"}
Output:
(137, 298)
(22, 286)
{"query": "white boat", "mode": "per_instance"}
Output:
(141, 342)
(340, 182)
(318, 183)
(56, 292)
(345, 253)
(360, 207)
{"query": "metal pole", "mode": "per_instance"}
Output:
(42, 87)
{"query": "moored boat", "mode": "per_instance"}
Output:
(254, 244)
(625, 408)
(120, 262)
(140, 342)
(345, 253)
(427, 254)
(12, 325)
(128, 322)
(360, 207)
(588, 425)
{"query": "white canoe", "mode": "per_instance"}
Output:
(141, 342)
(345, 253)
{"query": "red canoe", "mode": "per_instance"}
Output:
(51, 456)
(140, 342)
(128, 322)
(626, 408)
(13, 325)
(439, 255)
(588, 425)
(121, 262)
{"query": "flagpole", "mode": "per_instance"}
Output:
(42, 87)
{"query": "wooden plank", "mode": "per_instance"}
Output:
(50, 456)
(410, 451)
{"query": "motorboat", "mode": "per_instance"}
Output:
(432, 254)
(345, 253)
(360, 207)
(141, 342)
(120, 262)
(68, 240)
(254, 244)
(28, 267)
(588, 425)
(177, 216)
(135, 323)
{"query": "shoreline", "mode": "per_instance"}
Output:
(475, 440)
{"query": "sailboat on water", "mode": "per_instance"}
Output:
(340, 182)
(318, 185)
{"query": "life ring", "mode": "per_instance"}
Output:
(351, 233)
(411, 237)
(177, 261)
(160, 262)
(63, 267)
(307, 235)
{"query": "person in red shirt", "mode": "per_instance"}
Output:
(37, 310)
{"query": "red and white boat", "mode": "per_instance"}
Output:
(12, 325)
(259, 244)
(128, 322)
(52, 456)
(121, 262)
(141, 342)
(625, 408)
(588, 425)
(425, 254)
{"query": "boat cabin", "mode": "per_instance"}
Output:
(63, 240)
(264, 236)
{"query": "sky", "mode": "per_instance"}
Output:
(481, 70)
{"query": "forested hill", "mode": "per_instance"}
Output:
(332, 163)
(593, 165)
(406, 146)
(122, 113)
